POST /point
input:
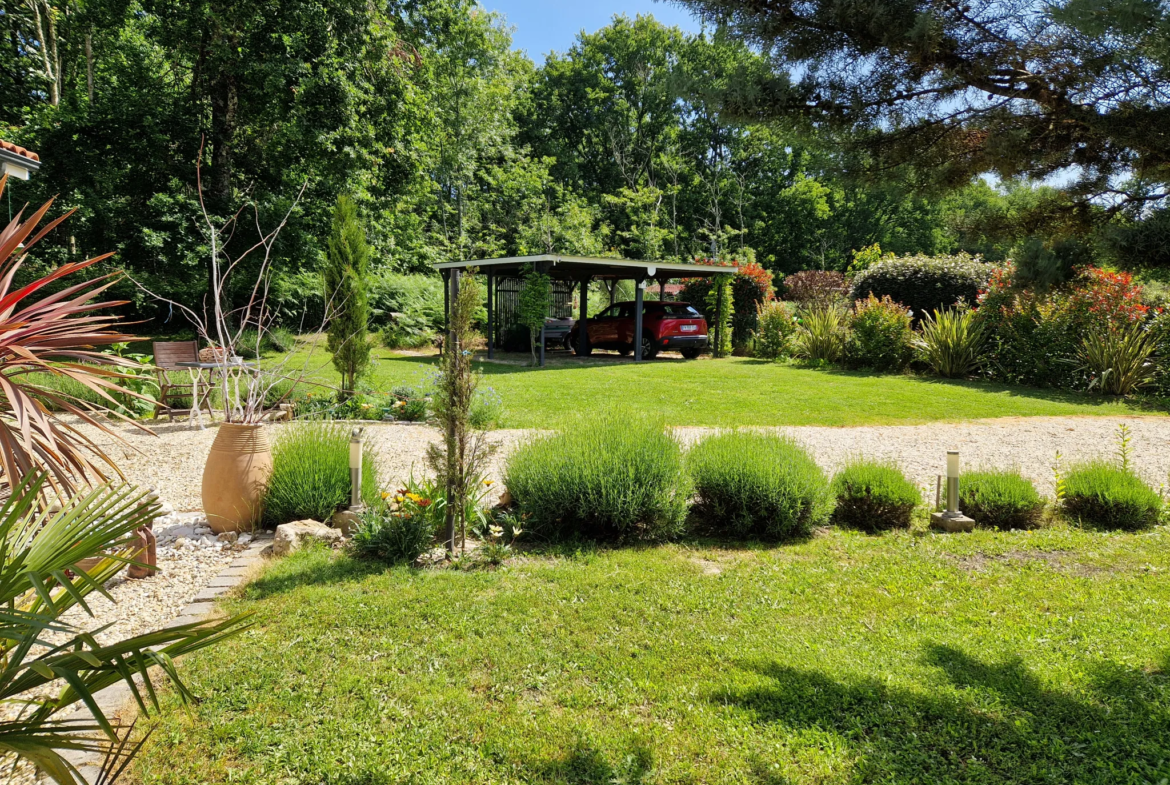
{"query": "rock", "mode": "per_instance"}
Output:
(181, 543)
(291, 536)
(228, 537)
(345, 522)
(244, 539)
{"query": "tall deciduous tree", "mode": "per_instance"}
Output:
(347, 273)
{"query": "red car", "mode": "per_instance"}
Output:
(665, 325)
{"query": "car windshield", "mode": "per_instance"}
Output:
(678, 309)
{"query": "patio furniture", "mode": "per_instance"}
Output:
(176, 380)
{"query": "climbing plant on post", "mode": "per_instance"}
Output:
(346, 295)
(719, 304)
(532, 308)
(459, 460)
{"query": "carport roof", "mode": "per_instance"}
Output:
(566, 267)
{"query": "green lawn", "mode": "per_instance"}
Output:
(1023, 657)
(732, 392)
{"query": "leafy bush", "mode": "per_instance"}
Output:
(880, 335)
(392, 535)
(1120, 360)
(874, 496)
(280, 339)
(758, 485)
(816, 287)
(924, 283)
(822, 335)
(1000, 499)
(951, 343)
(1108, 496)
(612, 478)
(776, 327)
(310, 474)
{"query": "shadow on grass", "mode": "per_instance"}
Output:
(1004, 725)
(587, 765)
(313, 567)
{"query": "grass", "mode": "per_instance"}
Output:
(730, 392)
(1022, 657)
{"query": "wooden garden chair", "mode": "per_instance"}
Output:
(175, 383)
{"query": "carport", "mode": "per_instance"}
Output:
(573, 271)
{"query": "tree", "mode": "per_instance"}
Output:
(532, 309)
(460, 459)
(346, 294)
(958, 89)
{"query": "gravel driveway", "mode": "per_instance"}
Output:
(173, 460)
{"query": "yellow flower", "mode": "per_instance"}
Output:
(385, 495)
(489, 483)
(398, 499)
(496, 531)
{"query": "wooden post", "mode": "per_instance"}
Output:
(491, 324)
(638, 319)
(583, 322)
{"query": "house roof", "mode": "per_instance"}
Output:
(20, 160)
(566, 267)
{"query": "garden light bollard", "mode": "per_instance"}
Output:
(355, 470)
(952, 519)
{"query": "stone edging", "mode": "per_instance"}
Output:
(114, 699)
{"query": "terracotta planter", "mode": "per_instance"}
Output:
(235, 477)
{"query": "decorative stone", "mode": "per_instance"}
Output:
(345, 521)
(951, 522)
(291, 536)
(228, 537)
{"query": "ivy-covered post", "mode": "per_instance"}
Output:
(719, 301)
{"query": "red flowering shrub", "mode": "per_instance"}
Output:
(1036, 337)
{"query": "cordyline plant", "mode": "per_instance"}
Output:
(48, 664)
(57, 334)
(459, 460)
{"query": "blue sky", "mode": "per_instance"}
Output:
(544, 25)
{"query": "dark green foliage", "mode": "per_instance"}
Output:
(751, 484)
(924, 283)
(1000, 499)
(880, 335)
(310, 474)
(532, 308)
(346, 294)
(874, 496)
(407, 308)
(1106, 496)
(607, 478)
(388, 536)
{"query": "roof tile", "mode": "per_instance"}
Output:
(12, 148)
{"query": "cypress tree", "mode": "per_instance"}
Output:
(346, 294)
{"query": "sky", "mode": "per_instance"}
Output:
(544, 25)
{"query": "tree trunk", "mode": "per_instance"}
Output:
(89, 64)
(224, 105)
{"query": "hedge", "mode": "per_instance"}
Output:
(924, 283)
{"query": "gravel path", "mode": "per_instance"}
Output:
(173, 461)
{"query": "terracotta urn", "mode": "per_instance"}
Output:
(236, 477)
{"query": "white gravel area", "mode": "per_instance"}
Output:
(1029, 444)
(173, 460)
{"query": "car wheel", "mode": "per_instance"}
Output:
(571, 345)
(649, 348)
(690, 354)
